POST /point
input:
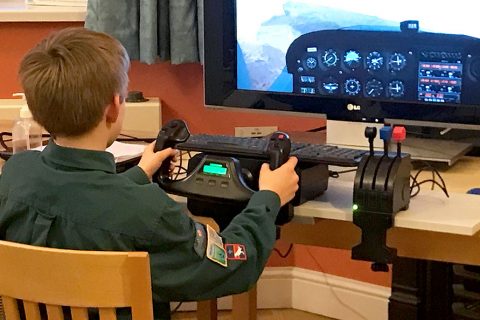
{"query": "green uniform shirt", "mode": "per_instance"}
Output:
(73, 199)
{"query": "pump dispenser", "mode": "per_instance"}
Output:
(26, 133)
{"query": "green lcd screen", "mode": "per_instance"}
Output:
(215, 168)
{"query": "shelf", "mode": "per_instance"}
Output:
(10, 12)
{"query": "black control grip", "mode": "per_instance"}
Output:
(172, 133)
(279, 147)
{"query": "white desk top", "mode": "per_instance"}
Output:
(429, 210)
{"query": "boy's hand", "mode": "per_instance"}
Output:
(283, 180)
(151, 161)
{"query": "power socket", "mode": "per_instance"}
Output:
(254, 131)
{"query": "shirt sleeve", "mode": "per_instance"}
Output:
(136, 174)
(180, 268)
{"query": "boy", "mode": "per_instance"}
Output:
(69, 196)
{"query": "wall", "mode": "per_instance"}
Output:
(181, 90)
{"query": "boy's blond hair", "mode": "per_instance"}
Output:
(71, 76)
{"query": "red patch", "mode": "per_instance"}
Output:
(236, 251)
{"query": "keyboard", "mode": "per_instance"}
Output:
(307, 153)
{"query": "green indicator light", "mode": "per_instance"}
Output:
(355, 207)
(214, 168)
(215, 165)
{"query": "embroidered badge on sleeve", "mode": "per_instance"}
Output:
(200, 244)
(215, 250)
(236, 251)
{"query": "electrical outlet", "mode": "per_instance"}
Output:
(254, 131)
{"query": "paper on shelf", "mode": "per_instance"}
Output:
(124, 151)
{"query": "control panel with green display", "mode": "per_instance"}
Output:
(215, 177)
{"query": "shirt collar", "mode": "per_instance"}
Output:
(78, 158)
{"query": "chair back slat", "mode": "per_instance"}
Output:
(54, 312)
(79, 313)
(76, 278)
(10, 308)
(108, 314)
(32, 311)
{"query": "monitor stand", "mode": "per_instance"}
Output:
(351, 135)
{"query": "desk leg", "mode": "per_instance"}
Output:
(421, 290)
(207, 310)
(245, 305)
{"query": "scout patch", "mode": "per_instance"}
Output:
(200, 244)
(215, 250)
(235, 251)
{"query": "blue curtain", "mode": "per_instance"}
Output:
(152, 30)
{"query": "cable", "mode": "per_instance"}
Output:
(180, 169)
(336, 174)
(331, 287)
(434, 171)
(416, 184)
(434, 182)
(286, 253)
(3, 140)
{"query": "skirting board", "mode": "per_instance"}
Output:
(315, 292)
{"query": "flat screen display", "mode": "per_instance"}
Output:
(349, 59)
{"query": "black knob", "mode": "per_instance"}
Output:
(370, 133)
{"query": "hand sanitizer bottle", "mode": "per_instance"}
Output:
(26, 133)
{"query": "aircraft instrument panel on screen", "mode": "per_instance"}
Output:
(409, 51)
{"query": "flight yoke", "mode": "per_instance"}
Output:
(216, 186)
(381, 189)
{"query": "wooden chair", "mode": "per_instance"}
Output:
(73, 278)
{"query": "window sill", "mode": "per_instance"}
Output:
(29, 13)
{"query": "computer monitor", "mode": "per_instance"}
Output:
(361, 61)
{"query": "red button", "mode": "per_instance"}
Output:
(399, 133)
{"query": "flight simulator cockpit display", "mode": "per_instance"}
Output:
(408, 51)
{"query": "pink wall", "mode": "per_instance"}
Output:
(181, 90)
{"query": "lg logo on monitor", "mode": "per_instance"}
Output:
(353, 107)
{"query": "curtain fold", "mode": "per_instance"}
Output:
(152, 30)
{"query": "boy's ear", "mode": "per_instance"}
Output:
(113, 109)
